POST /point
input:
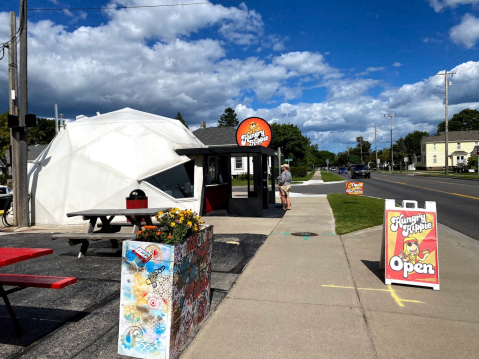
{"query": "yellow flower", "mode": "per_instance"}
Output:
(160, 213)
(172, 224)
(181, 220)
(189, 223)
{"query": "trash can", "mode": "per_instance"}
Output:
(136, 199)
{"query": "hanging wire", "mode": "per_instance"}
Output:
(15, 39)
(134, 7)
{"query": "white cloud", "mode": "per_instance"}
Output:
(152, 64)
(432, 40)
(369, 70)
(467, 32)
(397, 64)
(438, 5)
(239, 25)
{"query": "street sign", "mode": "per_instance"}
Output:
(327, 162)
(406, 159)
(288, 159)
(409, 250)
(378, 160)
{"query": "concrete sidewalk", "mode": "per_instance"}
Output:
(323, 297)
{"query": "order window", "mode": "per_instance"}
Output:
(178, 181)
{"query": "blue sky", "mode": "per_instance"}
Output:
(334, 68)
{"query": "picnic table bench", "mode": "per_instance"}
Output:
(108, 230)
(9, 256)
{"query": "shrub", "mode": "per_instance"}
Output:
(300, 171)
(242, 177)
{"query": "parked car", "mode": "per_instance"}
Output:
(342, 170)
(360, 170)
(5, 190)
(333, 168)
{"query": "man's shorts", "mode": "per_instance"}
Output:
(285, 190)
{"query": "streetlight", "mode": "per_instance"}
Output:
(391, 119)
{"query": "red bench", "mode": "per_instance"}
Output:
(37, 281)
(21, 281)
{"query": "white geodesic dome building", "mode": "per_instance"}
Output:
(95, 162)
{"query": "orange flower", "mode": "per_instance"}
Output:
(139, 232)
(169, 237)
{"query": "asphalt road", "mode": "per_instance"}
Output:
(457, 200)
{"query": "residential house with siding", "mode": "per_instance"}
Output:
(461, 145)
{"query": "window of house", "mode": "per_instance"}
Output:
(434, 146)
(476, 143)
(177, 182)
(238, 163)
(459, 145)
(434, 159)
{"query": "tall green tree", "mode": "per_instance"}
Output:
(180, 118)
(363, 147)
(42, 133)
(466, 120)
(292, 142)
(228, 118)
(413, 142)
(4, 135)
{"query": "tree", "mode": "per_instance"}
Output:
(43, 133)
(4, 135)
(180, 118)
(472, 161)
(228, 118)
(292, 142)
(399, 151)
(413, 142)
(363, 147)
(466, 120)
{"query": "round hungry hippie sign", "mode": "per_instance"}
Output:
(253, 131)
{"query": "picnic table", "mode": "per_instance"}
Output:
(107, 231)
(10, 256)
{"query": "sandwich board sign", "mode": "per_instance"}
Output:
(409, 250)
(356, 188)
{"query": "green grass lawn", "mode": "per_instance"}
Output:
(353, 213)
(330, 177)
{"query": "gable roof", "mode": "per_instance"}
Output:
(217, 136)
(453, 136)
(34, 151)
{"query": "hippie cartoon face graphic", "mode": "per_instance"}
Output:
(411, 246)
(253, 131)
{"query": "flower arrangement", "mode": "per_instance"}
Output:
(174, 226)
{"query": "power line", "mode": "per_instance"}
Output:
(134, 7)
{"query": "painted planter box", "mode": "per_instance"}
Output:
(165, 294)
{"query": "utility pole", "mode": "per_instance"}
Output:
(446, 85)
(376, 147)
(361, 145)
(13, 108)
(22, 210)
(391, 119)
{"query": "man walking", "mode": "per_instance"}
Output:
(286, 186)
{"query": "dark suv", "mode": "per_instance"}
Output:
(360, 170)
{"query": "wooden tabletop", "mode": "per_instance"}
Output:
(13, 255)
(117, 212)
